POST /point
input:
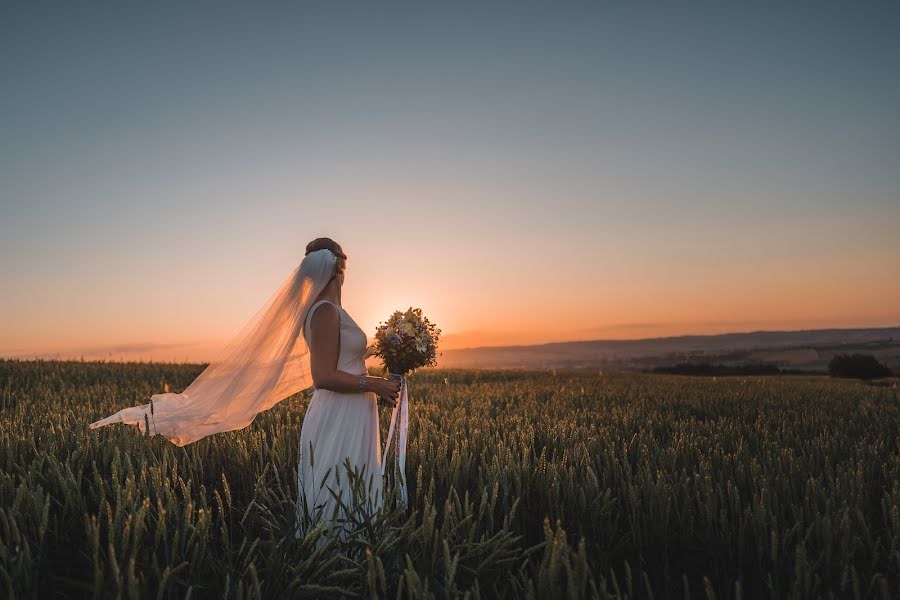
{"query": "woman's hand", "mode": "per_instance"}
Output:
(370, 351)
(386, 389)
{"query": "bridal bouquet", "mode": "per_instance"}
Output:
(407, 341)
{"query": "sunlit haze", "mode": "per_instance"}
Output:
(522, 172)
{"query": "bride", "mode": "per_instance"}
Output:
(340, 443)
(302, 336)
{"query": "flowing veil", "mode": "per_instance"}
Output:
(267, 361)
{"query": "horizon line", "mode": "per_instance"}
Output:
(79, 356)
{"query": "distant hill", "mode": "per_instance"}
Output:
(804, 349)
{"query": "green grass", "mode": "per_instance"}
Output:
(521, 485)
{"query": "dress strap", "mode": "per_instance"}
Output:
(314, 306)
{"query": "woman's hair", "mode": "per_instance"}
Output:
(324, 243)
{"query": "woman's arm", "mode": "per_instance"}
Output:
(325, 328)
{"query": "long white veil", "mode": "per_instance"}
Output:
(267, 361)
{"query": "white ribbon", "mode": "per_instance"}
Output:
(401, 409)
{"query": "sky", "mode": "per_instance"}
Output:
(523, 172)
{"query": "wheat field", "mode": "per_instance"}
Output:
(522, 485)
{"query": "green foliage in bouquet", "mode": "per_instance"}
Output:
(407, 341)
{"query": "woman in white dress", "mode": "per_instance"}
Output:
(339, 471)
(270, 360)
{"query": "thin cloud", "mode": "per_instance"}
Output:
(624, 326)
(127, 348)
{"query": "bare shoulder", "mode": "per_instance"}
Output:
(326, 314)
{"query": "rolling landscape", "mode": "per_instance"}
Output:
(805, 350)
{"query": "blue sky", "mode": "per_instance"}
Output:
(683, 168)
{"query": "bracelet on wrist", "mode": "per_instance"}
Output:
(362, 382)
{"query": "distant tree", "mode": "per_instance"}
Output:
(857, 366)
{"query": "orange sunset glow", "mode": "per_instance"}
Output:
(479, 296)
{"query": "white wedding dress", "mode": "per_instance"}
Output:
(339, 427)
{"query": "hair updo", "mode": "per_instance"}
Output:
(324, 243)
